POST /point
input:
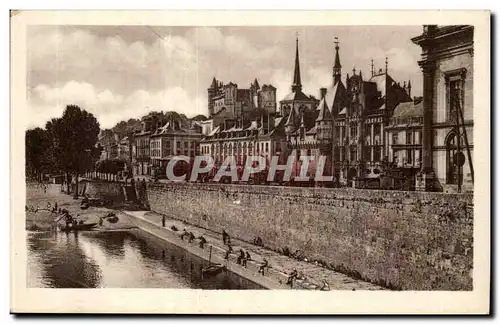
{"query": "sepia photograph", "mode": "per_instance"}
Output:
(216, 162)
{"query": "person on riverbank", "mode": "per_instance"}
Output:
(292, 277)
(241, 257)
(263, 266)
(185, 233)
(247, 257)
(203, 241)
(191, 237)
(225, 237)
(163, 220)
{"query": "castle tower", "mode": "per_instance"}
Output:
(212, 92)
(337, 68)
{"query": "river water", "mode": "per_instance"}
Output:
(118, 259)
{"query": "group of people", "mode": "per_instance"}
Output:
(191, 237)
(243, 257)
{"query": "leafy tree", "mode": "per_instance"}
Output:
(38, 158)
(75, 138)
(199, 118)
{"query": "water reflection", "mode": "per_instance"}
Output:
(118, 259)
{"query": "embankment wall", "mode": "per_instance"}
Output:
(112, 191)
(403, 240)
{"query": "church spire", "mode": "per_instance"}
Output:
(337, 68)
(297, 85)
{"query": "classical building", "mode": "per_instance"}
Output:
(141, 158)
(124, 149)
(404, 134)
(448, 108)
(239, 138)
(173, 140)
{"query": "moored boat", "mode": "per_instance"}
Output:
(213, 268)
(78, 227)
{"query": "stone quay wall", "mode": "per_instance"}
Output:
(401, 240)
(112, 191)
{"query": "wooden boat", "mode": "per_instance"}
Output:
(213, 268)
(78, 227)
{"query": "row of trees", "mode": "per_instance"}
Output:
(124, 128)
(67, 145)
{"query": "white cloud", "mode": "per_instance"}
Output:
(48, 102)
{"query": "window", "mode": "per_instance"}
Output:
(409, 156)
(367, 152)
(452, 170)
(267, 147)
(395, 138)
(395, 158)
(354, 131)
(409, 138)
(455, 81)
(178, 144)
(354, 154)
(337, 154)
(377, 153)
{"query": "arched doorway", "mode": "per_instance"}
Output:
(451, 150)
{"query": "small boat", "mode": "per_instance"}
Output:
(213, 268)
(78, 227)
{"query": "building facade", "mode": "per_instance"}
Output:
(173, 140)
(347, 125)
(404, 134)
(448, 107)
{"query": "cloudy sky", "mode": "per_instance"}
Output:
(123, 72)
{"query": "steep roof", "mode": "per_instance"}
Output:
(335, 94)
(297, 95)
(324, 111)
(409, 109)
(291, 118)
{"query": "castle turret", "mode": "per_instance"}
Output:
(324, 120)
(291, 123)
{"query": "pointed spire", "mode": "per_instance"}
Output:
(386, 64)
(256, 84)
(214, 83)
(297, 85)
(337, 67)
(302, 123)
(409, 88)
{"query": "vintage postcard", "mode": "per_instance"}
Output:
(272, 162)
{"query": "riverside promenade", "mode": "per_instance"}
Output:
(311, 275)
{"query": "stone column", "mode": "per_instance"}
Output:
(426, 177)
